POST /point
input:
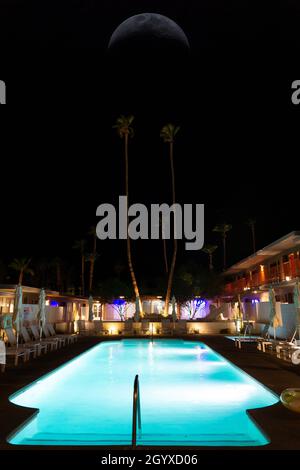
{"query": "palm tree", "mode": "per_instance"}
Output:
(209, 250)
(80, 246)
(168, 134)
(56, 263)
(22, 267)
(125, 130)
(164, 246)
(92, 257)
(251, 224)
(223, 229)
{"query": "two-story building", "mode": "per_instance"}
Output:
(275, 266)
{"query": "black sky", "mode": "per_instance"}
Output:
(236, 151)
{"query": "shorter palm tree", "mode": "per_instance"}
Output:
(22, 267)
(92, 257)
(80, 246)
(222, 229)
(209, 250)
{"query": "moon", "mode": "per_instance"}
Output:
(150, 33)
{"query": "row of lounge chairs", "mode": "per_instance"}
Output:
(32, 343)
(288, 350)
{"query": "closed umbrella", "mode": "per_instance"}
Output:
(137, 310)
(297, 305)
(42, 311)
(241, 308)
(18, 313)
(91, 313)
(174, 316)
(275, 315)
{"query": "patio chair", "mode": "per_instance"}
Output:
(36, 334)
(15, 352)
(70, 338)
(39, 345)
(284, 347)
(11, 337)
(60, 341)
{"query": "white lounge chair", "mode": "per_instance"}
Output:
(14, 346)
(60, 341)
(16, 353)
(36, 334)
(70, 338)
(39, 345)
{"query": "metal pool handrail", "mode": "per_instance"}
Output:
(136, 414)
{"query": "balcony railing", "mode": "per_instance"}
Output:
(282, 272)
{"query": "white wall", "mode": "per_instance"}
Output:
(288, 315)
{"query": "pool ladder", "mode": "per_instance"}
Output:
(136, 412)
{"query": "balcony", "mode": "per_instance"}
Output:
(267, 275)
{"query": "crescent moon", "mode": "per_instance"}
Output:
(149, 29)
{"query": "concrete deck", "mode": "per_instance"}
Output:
(281, 425)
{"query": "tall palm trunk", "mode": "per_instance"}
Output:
(21, 276)
(211, 266)
(58, 275)
(165, 256)
(82, 270)
(164, 247)
(253, 238)
(92, 263)
(129, 257)
(224, 251)
(172, 267)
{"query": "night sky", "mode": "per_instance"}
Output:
(61, 158)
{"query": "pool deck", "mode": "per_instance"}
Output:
(281, 425)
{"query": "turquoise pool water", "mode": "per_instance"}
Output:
(190, 395)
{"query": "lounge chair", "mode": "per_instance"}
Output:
(70, 338)
(14, 352)
(39, 345)
(36, 334)
(60, 341)
(284, 348)
(278, 345)
(14, 346)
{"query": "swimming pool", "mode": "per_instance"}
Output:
(190, 395)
